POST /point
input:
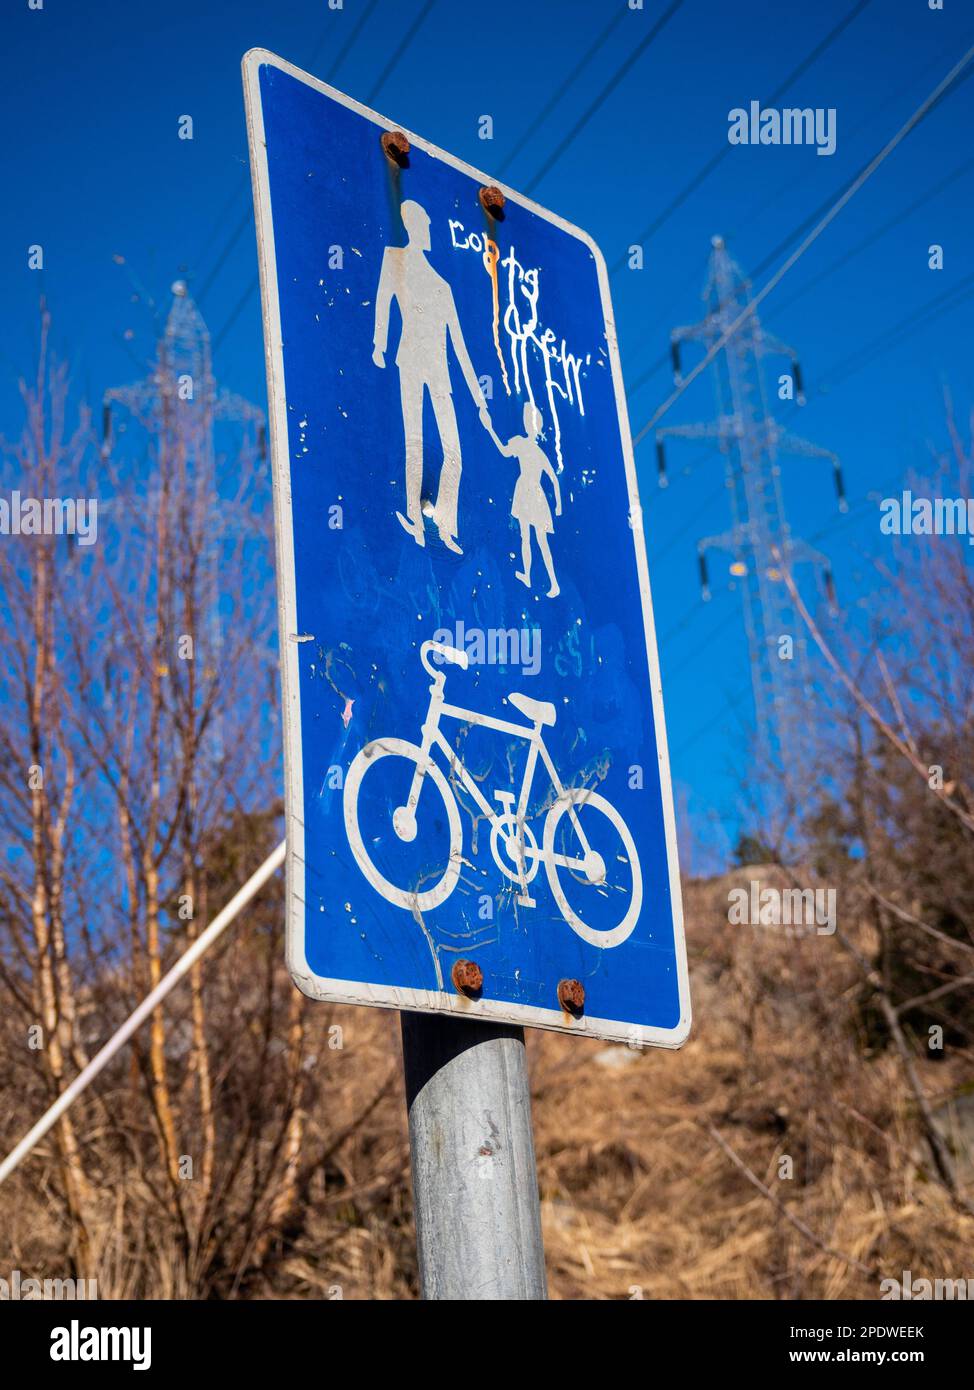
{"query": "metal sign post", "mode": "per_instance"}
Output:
(479, 815)
(475, 1185)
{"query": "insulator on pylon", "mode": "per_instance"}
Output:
(839, 486)
(830, 589)
(704, 578)
(262, 442)
(796, 371)
(675, 360)
(661, 463)
(106, 423)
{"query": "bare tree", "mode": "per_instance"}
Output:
(140, 778)
(900, 808)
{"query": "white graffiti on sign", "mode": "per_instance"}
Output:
(521, 322)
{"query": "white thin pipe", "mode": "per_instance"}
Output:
(185, 963)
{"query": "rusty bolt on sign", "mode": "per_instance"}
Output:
(492, 201)
(571, 996)
(395, 145)
(467, 977)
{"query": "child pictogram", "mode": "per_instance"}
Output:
(530, 507)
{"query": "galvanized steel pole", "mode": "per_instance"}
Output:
(475, 1183)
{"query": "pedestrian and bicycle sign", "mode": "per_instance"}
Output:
(479, 813)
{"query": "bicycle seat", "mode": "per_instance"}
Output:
(541, 711)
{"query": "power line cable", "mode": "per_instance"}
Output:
(898, 333)
(702, 642)
(234, 314)
(891, 337)
(224, 213)
(653, 227)
(942, 87)
(835, 265)
(855, 513)
(613, 82)
(659, 555)
(679, 626)
(649, 373)
(731, 703)
(579, 125)
(246, 219)
(245, 182)
(876, 235)
(400, 52)
(662, 361)
(360, 24)
(942, 55)
(560, 91)
(386, 73)
(866, 170)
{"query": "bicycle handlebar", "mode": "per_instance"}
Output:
(453, 654)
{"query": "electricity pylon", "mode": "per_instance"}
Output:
(180, 398)
(759, 540)
(178, 405)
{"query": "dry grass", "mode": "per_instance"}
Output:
(638, 1198)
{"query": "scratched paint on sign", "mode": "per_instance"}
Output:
(476, 769)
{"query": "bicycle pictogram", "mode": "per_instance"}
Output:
(612, 873)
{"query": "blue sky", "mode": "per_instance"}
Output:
(93, 168)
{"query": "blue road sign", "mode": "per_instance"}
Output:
(479, 813)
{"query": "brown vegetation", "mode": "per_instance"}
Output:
(807, 1142)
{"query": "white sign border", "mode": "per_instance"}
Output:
(355, 992)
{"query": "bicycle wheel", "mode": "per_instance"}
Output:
(438, 848)
(610, 876)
